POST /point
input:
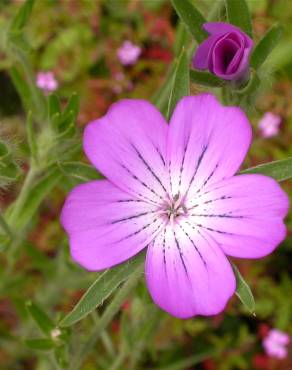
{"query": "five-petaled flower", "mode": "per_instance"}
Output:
(171, 188)
(275, 343)
(128, 53)
(225, 52)
(46, 81)
(269, 124)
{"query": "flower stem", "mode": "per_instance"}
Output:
(105, 319)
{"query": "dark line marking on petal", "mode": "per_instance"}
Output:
(182, 164)
(160, 155)
(224, 215)
(132, 217)
(208, 228)
(198, 165)
(149, 168)
(209, 201)
(143, 228)
(142, 183)
(180, 253)
(193, 243)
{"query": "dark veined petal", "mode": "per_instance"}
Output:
(128, 146)
(206, 143)
(243, 214)
(105, 225)
(187, 274)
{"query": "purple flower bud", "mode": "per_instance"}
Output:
(225, 53)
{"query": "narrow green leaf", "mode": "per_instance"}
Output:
(61, 356)
(238, 14)
(54, 105)
(280, 170)
(4, 151)
(182, 38)
(192, 18)
(22, 16)
(80, 171)
(181, 82)
(72, 106)
(190, 361)
(243, 291)
(41, 344)
(31, 136)
(4, 226)
(265, 46)
(205, 78)
(35, 196)
(67, 126)
(42, 320)
(104, 285)
(21, 87)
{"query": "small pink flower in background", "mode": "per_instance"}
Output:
(46, 81)
(269, 124)
(275, 344)
(128, 53)
(172, 189)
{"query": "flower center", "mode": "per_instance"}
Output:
(173, 208)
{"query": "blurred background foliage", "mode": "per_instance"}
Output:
(78, 41)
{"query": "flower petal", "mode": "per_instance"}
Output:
(200, 59)
(243, 214)
(219, 28)
(206, 143)
(187, 273)
(127, 146)
(105, 225)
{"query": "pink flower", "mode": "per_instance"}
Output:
(275, 343)
(269, 124)
(128, 53)
(46, 81)
(171, 189)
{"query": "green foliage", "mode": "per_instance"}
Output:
(265, 46)
(238, 14)
(192, 18)
(243, 291)
(205, 79)
(280, 170)
(181, 82)
(105, 285)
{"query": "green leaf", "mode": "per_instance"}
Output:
(80, 171)
(21, 87)
(280, 170)
(34, 197)
(54, 105)
(205, 78)
(31, 136)
(104, 285)
(4, 151)
(181, 82)
(42, 320)
(72, 106)
(192, 18)
(238, 14)
(22, 16)
(67, 126)
(41, 344)
(243, 291)
(265, 46)
(9, 171)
